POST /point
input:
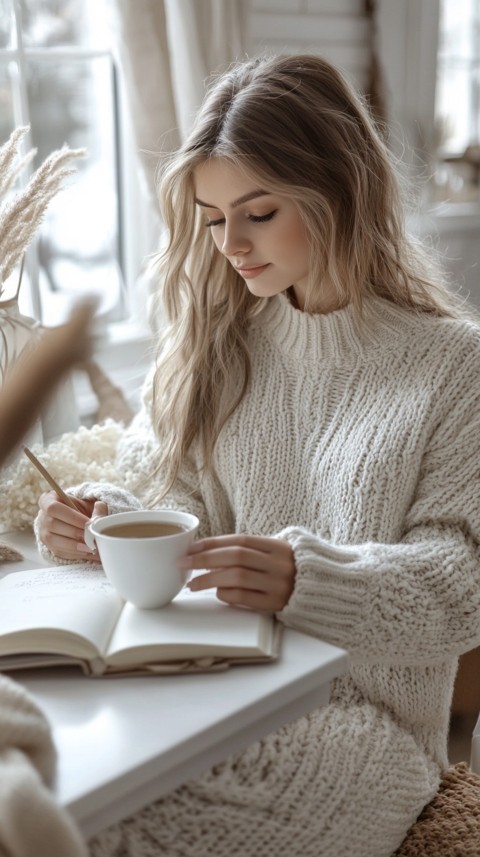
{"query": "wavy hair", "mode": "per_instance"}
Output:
(295, 124)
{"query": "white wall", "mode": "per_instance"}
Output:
(337, 29)
(405, 39)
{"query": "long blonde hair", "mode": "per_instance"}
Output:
(295, 124)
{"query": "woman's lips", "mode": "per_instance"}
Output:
(248, 272)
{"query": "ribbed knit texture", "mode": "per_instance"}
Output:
(359, 443)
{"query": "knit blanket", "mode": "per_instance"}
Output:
(32, 824)
(88, 453)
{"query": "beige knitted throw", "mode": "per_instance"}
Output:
(31, 822)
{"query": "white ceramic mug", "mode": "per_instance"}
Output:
(143, 568)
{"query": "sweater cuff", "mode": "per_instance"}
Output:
(117, 499)
(328, 599)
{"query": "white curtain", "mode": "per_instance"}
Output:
(167, 49)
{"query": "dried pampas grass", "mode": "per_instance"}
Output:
(22, 212)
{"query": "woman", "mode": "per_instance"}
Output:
(316, 403)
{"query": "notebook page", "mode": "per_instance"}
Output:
(193, 625)
(70, 598)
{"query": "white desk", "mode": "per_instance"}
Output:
(124, 742)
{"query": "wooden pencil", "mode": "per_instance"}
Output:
(49, 478)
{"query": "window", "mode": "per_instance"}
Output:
(57, 74)
(457, 103)
(430, 57)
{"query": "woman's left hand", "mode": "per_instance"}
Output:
(249, 571)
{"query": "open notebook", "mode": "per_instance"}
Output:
(71, 614)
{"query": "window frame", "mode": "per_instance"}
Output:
(124, 347)
(133, 239)
(409, 38)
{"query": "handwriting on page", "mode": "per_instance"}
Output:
(58, 582)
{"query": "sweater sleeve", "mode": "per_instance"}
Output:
(417, 600)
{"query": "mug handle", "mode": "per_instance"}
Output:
(88, 536)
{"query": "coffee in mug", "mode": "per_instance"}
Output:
(139, 552)
(143, 530)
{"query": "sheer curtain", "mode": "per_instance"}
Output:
(167, 49)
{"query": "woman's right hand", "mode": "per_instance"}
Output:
(62, 529)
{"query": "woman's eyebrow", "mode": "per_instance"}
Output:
(248, 196)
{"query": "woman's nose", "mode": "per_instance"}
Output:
(235, 241)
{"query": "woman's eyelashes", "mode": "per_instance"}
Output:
(262, 218)
(254, 218)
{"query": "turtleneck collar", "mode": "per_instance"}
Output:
(334, 335)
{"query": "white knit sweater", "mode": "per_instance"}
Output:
(360, 445)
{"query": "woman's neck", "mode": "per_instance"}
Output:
(325, 301)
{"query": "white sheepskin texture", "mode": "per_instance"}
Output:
(88, 454)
